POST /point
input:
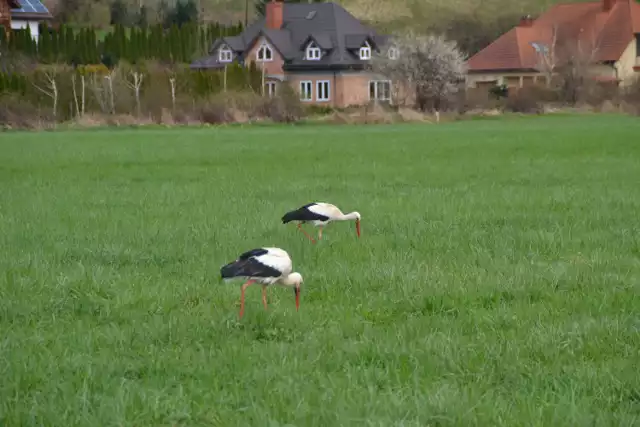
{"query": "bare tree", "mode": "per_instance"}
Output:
(101, 85)
(172, 72)
(75, 93)
(172, 83)
(578, 56)
(430, 67)
(99, 93)
(50, 87)
(83, 90)
(567, 60)
(137, 77)
(109, 78)
(547, 55)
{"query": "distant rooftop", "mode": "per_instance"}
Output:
(30, 9)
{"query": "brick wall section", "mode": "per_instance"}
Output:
(346, 89)
(354, 89)
(5, 14)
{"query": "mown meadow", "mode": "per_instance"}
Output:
(496, 281)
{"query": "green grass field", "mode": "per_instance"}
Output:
(496, 283)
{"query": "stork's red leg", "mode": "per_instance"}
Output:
(319, 233)
(305, 233)
(245, 286)
(264, 297)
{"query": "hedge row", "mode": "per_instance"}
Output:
(85, 46)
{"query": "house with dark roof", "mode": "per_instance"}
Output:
(23, 14)
(609, 28)
(320, 49)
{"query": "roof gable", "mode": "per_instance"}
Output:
(322, 40)
(278, 39)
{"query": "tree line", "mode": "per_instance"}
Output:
(177, 44)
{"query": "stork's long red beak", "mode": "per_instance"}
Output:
(358, 227)
(297, 292)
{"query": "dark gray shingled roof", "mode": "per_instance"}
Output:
(335, 30)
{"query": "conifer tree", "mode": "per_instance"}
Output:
(3, 38)
(93, 47)
(67, 41)
(144, 43)
(26, 41)
(44, 44)
(174, 43)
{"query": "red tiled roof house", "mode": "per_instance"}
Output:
(612, 27)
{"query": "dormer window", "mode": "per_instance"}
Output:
(225, 54)
(393, 53)
(264, 53)
(365, 51)
(313, 52)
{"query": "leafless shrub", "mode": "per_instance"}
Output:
(600, 94)
(214, 112)
(285, 107)
(16, 113)
(631, 97)
(525, 100)
(472, 100)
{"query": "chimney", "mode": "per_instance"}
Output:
(607, 5)
(274, 14)
(526, 21)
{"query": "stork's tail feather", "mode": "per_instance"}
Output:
(289, 216)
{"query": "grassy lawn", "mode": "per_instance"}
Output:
(496, 283)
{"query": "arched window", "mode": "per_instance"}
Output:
(393, 53)
(264, 53)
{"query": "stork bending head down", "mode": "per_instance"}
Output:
(267, 266)
(320, 214)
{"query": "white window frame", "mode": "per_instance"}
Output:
(225, 54)
(313, 52)
(264, 48)
(304, 84)
(270, 88)
(376, 95)
(393, 53)
(365, 52)
(325, 96)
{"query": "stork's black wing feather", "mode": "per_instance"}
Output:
(303, 214)
(248, 267)
(253, 252)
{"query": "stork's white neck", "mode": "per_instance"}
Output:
(291, 280)
(349, 217)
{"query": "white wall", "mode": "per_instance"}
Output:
(18, 24)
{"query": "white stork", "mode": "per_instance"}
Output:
(267, 266)
(320, 214)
